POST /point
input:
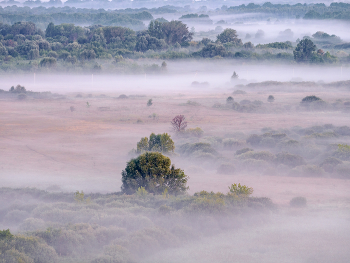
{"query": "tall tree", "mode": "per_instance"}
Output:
(154, 172)
(304, 50)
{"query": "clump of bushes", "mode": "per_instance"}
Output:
(244, 150)
(18, 89)
(330, 163)
(261, 155)
(231, 144)
(291, 160)
(313, 103)
(342, 152)
(156, 143)
(189, 149)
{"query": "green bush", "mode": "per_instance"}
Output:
(114, 254)
(189, 149)
(262, 155)
(289, 159)
(330, 163)
(156, 143)
(230, 144)
(207, 203)
(342, 152)
(152, 171)
(254, 139)
(27, 249)
(244, 150)
(298, 202)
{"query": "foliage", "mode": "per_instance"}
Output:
(178, 123)
(228, 35)
(4, 234)
(156, 143)
(289, 159)
(229, 100)
(189, 149)
(240, 190)
(18, 89)
(154, 172)
(304, 50)
(48, 62)
(27, 250)
(343, 152)
(271, 98)
(149, 102)
(79, 197)
(278, 45)
(141, 191)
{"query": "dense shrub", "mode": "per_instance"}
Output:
(330, 163)
(154, 172)
(231, 144)
(156, 143)
(189, 149)
(254, 139)
(262, 155)
(26, 249)
(342, 152)
(289, 159)
(309, 99)
(244, 150)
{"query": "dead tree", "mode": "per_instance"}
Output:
(179, 124)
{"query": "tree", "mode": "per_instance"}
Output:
(229, 35)
(154, 172)
(176, 31)
(271, 98)
(179, 124)
(248, 45)
(18, 89)
(149, 102)
(48, 62)
(164, 66)
(155, 29)
(234, 75)
(304, 50)
(229, 100)
(156, 143)
(50, 30)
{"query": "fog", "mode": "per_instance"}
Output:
(279, 129)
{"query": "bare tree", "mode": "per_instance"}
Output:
(179, 124)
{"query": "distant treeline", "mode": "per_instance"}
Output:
(67, 15)
(308, 11)
(68, 47)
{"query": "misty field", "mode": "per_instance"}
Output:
(63, 154)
